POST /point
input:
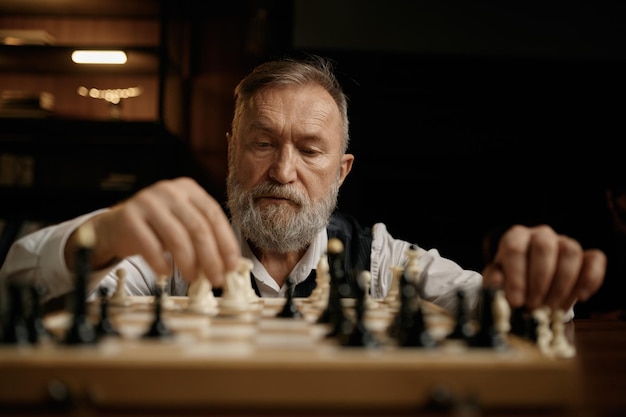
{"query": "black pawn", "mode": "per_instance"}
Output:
(158, 329)
(81, 330)
(105, 326)
(15, 329)
(36, 329)
(487, 335)
(462, 327)
(334, 314)
(290, 310)
(402, 319)
(360, 335)
(415, 333)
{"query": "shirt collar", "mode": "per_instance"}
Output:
(267, 286)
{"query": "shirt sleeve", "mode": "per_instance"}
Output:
(440, 278)
(38, 259)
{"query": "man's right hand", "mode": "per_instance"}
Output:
(169, 220)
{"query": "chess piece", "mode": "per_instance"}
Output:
(462, 329)
(408, 326)
(392, 299)
(319, 296)
(15, 329)
(105, 326)
(365, 277)
(81, 331)
(166, 302)
(501, 312)
(560, 347)
(119, 297)
(245, 270)
(289, 310)
(360, 334)
(544, 332)
(158, 328)
(487, 335)
(34, 320)
(201, 297)
(334, 314)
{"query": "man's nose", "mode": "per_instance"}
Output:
(283, 169)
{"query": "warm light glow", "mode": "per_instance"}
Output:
(99, 57)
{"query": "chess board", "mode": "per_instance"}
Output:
(264, 362)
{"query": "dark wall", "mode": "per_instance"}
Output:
(465, 119)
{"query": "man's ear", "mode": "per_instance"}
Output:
(346, 166)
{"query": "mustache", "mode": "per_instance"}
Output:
(287, 192)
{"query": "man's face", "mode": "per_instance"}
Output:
(286, 166)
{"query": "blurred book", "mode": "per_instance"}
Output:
(18, 103)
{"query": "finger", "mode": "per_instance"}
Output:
(131, 234)
(493, 276)
(511, 256)
(570, 259)
(218, 250)
(543, 254)
(590, 279)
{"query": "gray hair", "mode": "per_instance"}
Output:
(288, 71)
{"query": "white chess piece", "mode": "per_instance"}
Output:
(167, 303)
(201, 298)
(119, 297)
(392, 298)
(559, 345)
(319, 296)
(544, 332)
(235, 299)
(501, 312)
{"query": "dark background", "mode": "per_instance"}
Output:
(470, 116)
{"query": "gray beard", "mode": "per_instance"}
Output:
(279, 228)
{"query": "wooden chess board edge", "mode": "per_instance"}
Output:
(276, 386)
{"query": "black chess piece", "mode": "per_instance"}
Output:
(290, 310)
(409, 326)
(360, 334)
(36, 329)
(158, 329)
(487, 335)
(408, 293)
(462, 329)
(14, 328)
(415, 332)
(105, 326)
(81, 331)
(334, 315)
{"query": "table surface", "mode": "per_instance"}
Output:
(601, 363)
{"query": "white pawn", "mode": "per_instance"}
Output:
(544, 332)
(560, 346)
(392, 298)
(201, 298)
(245, 269)
(319, 296)
(502, 313)
(119, 297)
(167, 303)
